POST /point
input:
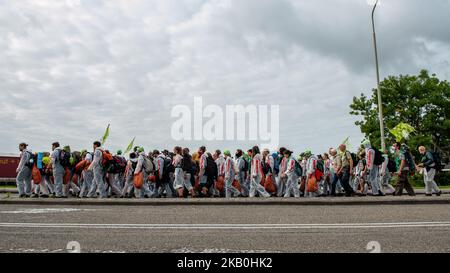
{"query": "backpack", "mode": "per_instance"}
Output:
(76, 158)
(378, 160)
(107, 160)
(211, 168)
(30, 161)
(245, 169)
(320, 166)
(64, 158)
(298, 169)
(276, 163)
(148, 164)
(265, 167)
(392, 166)
(410, 161)
(120, 164)
(437, 161)
(186, 164)
(168, 166)
(354, 158)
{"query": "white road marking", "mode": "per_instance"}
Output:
(227, 226)
(47, 210)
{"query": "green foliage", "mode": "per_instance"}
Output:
(442, 179)
(423, 101)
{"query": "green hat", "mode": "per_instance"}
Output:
(140, 150)
(227, 152)
(119, 152)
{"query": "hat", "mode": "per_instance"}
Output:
(227, 152)
(119, 152)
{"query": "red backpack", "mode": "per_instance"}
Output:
(107, 158)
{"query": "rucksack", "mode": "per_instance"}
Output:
(437, 161)
(410, 161)
(392, 166)
(276, 163)
(354, 158)
(148, 165)
(76, 158)
(120, 164)
(64, 158)
(265, 167)
(320, 166)
(378, 158)
(31, 160)
(107, 160)
(211, 168)
(186, 164)
(168, 166)
(298, 168)
(245, 168)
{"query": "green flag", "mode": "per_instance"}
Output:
(130, 146)
(346, 142)
(106, 135)
(402, 131)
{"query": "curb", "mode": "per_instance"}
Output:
(233, 202)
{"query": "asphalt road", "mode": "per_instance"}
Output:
(397, 228)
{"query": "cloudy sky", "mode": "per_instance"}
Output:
(68, 68)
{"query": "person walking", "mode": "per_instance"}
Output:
(229, 175)
(97, 169)
(58, 169)
(428, 168)
(282, 178)
(404, 158)
(182, 178)
(345, 169)
(257, 175)
(242, 172)
(374, 159)
(291, 176)
(23, 178)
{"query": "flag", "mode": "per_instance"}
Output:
(130, 146)
(106, 135)
(346, 142)
(402, 131)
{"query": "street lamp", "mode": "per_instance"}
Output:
(380, 106)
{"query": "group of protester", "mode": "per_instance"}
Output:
(63, 173)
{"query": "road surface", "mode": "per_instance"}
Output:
(224, 228)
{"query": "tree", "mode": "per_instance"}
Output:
(423, 101)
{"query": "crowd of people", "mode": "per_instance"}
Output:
(253, 173)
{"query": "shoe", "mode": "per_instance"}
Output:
(22, 196)
(439, 193)
(428, 194)
(35, 195)
(380, 193)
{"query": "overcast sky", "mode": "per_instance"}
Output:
(68, 68)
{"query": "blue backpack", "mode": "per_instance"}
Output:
(276, 163)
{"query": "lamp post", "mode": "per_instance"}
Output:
(380, 105)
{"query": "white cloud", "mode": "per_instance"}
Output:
(68, 68)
